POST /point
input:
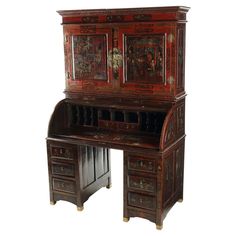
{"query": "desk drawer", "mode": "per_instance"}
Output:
(142, 183)
(62, 151)
(64, 185)
(63, 169)
(141, 164)
(142, 201)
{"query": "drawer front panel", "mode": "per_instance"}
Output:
(64, 185)
(142, 164)
(142, 183)
(60, 152)
(142, 201)
(63, 169)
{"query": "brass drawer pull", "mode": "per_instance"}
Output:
(141, 163)
(67, 75)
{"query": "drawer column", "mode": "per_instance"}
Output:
(76, 171)
(142, 187)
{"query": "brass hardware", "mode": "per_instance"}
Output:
(171, 38)
(141, 184)
(80, 208)
(52, 202)
(125, 219)
(67, 75)
(159, 227)
(115, 60)
(68, 154)
(180, 200)
(171, 80)
(150, 165)
(66, 39)
(140, 200)
(109, 186)
(141, 163)
(62, 169)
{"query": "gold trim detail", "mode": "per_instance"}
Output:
(80, 208)
(109, 186)
(159, 227)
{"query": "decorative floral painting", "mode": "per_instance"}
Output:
(145, 58)
(89, 57)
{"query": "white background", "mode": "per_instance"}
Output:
(32, 82)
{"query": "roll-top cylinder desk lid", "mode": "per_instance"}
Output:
(126, 128)
(125, 53)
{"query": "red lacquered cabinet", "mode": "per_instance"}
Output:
(125, 89)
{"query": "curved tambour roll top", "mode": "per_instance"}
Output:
(155, 128)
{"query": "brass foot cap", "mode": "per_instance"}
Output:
(159, 227)
(109, 186)
(125, 219)
(180, 200)
(80, 208)
(52, 202)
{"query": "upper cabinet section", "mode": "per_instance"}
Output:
(125, 52)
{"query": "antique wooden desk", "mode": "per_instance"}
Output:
(124, 73)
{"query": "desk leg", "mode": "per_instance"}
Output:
(108, 155)
(125, 212)
(125, 219)
(109, 185)
(80, 208)
(159, 226)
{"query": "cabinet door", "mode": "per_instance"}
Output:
(86, 53)
(149, 57)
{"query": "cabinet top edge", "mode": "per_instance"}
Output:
(115, 11)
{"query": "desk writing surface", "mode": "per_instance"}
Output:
(115, 138)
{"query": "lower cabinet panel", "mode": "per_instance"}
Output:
(101, 161)
(88, 165)
(95, 163)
